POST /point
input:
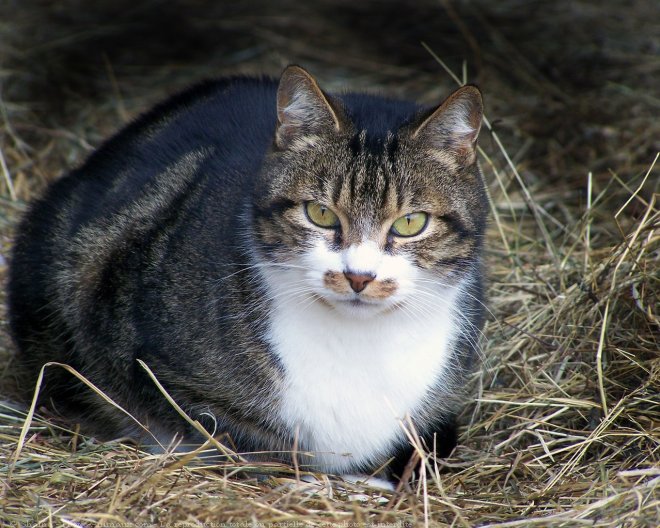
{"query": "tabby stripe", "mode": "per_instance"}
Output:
(384, 193)
(392, 149)
(275, 208)
(457, 226)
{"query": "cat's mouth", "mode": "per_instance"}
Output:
(359, 307)
(357, 302)
(353, 301)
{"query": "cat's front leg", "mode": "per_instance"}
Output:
(441, 440)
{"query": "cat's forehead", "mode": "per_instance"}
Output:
(376, 178)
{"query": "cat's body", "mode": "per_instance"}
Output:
(199, 241)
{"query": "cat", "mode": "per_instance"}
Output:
(297, 268)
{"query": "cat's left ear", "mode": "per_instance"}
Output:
(454, 126)
(303, 110)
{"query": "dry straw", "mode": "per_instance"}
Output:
(563, 427)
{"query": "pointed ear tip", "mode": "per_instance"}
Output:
(473, 92)
(473, 87)
(292, 77)
(294, 70)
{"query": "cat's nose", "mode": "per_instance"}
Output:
(358, 281)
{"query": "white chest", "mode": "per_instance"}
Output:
(349, 382)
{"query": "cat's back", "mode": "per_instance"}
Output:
(226, 123)
(215, 134)
(137, 197)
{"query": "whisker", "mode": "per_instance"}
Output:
(463, 292)
(263, 265)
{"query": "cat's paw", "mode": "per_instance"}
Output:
(370, 481)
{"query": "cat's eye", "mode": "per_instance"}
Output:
(410, 225)
(321, 216)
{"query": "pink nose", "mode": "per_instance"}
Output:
(358, 281)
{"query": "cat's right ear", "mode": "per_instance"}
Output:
(303, 110)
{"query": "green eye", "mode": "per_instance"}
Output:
(321, 216)
(409, 225)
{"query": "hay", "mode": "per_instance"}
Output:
(564, 429)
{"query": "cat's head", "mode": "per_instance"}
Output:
(366, 202)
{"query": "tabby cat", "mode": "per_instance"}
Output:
(295, 267)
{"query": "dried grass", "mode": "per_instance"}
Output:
(564, 429)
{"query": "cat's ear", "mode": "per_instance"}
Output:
(454, 126)
(303, 110)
